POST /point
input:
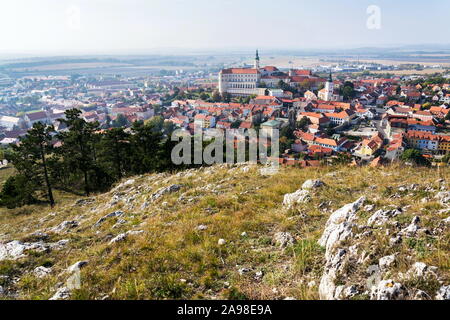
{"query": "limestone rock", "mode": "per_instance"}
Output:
(123, 236)
(388, 290)
(382, 216)
(283, 239)
(15, 249)
(443, 293)
(443, 197)
(291, 199)
(64, 226)
(77, 266)
(338, 226)
(161, 192)
(42, 271)
(312, 184)
(108, 216)
(413, 229)
(386, 262)
(61, 294)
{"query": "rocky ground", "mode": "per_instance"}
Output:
(238, 232)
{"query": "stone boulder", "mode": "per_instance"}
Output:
(283, 239)
(386, 262)
(443, 197)
(382, 217)
(61, 294)
(443, 293)
(339, 225)
(65, 226)
(299, 196)
(108, 216)
(42, 272)
(161, 192)
(388, 290)
(16, 249)
(123, 236)
(312, 184)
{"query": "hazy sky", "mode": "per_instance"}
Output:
(137, 26)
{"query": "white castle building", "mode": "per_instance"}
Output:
(256, 80)
(241, 81)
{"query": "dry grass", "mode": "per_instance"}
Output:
(229, 202)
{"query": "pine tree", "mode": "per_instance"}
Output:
(114, 151)
(30, 157)
(78, 145)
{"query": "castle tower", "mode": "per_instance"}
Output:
(329, 88)
(257, 60)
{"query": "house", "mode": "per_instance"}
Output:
(370, 146)
(10, 122)
(315, 118)
(33, 117)
(423, 115)
(341, 118)
(205, 121)
(365, 113)
(270, 127)
(310, 95)
(423, 140)
(395, 147)
(323, 108)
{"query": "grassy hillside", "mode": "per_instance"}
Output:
(175, 251)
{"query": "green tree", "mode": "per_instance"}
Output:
(145, 140)
(120, 121)
(30, 157)
(78, 145)
(414, 156)
(17, 191)
(114, 151)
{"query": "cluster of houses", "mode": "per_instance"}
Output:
(381, 118)
(395, 116)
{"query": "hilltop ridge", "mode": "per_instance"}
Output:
(231, 232)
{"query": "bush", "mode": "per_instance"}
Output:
(414, 156)
(17, 191)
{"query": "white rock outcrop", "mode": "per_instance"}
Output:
(339, 225)
(299, 196)
(388, 290)
(161, 192)
(283, 239)
(108, 216)
(386, 262)
(123, 236)
(16, 249)
(338, 228)
(382, 216)
(443, 197)
(61, 294)
(42, 272)
(443, 293)
(312, 184)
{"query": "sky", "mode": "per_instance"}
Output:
(143, 26)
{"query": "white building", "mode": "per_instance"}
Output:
(10, 122)
(327, 93)
(240, 81)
